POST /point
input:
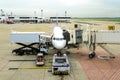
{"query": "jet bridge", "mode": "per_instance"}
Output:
(76, 36)
(27, 40)
(101, 37)
(107, 36)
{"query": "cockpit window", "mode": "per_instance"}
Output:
(58, 38)
(53, 38)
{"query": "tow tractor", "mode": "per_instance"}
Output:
(60, 64)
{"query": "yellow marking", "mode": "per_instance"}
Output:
(111, 27)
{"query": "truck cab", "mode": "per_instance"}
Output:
(44, 49)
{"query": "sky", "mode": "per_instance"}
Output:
(74, 8)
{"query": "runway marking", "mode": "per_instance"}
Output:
(27, 60)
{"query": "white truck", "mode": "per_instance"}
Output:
(60, 64)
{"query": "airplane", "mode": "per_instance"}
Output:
(58, 40)
(8, 21)
(5, 19)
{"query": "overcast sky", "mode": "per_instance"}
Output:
(74, 8)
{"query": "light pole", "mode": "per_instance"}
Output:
(34, 16)
(2, 12)
(65, 13)
(11, 14)
(66, 16)
(41, 13)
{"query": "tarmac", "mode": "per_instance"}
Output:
(13, 67)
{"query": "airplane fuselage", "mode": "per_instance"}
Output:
(58, 39)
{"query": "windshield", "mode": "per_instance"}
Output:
(63, 60)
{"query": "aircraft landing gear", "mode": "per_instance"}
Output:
(59, 53)
(92, 55)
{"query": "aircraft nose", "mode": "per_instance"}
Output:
(59, 44)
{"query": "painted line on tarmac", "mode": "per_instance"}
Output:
(19, 60)
(26, 60)
(30, 68)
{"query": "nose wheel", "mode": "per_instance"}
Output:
(92, 55)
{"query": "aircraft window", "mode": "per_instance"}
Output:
(61, 38)
(53, 38)
(58, 38)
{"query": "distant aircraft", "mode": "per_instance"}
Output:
(8, 21)
(5, 19)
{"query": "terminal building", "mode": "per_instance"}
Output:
(25, 19)
(31, 19)
(60, 19)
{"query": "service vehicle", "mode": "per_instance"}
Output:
(40, 59)
(60, 64)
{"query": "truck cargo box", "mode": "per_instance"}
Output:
(25, 37)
